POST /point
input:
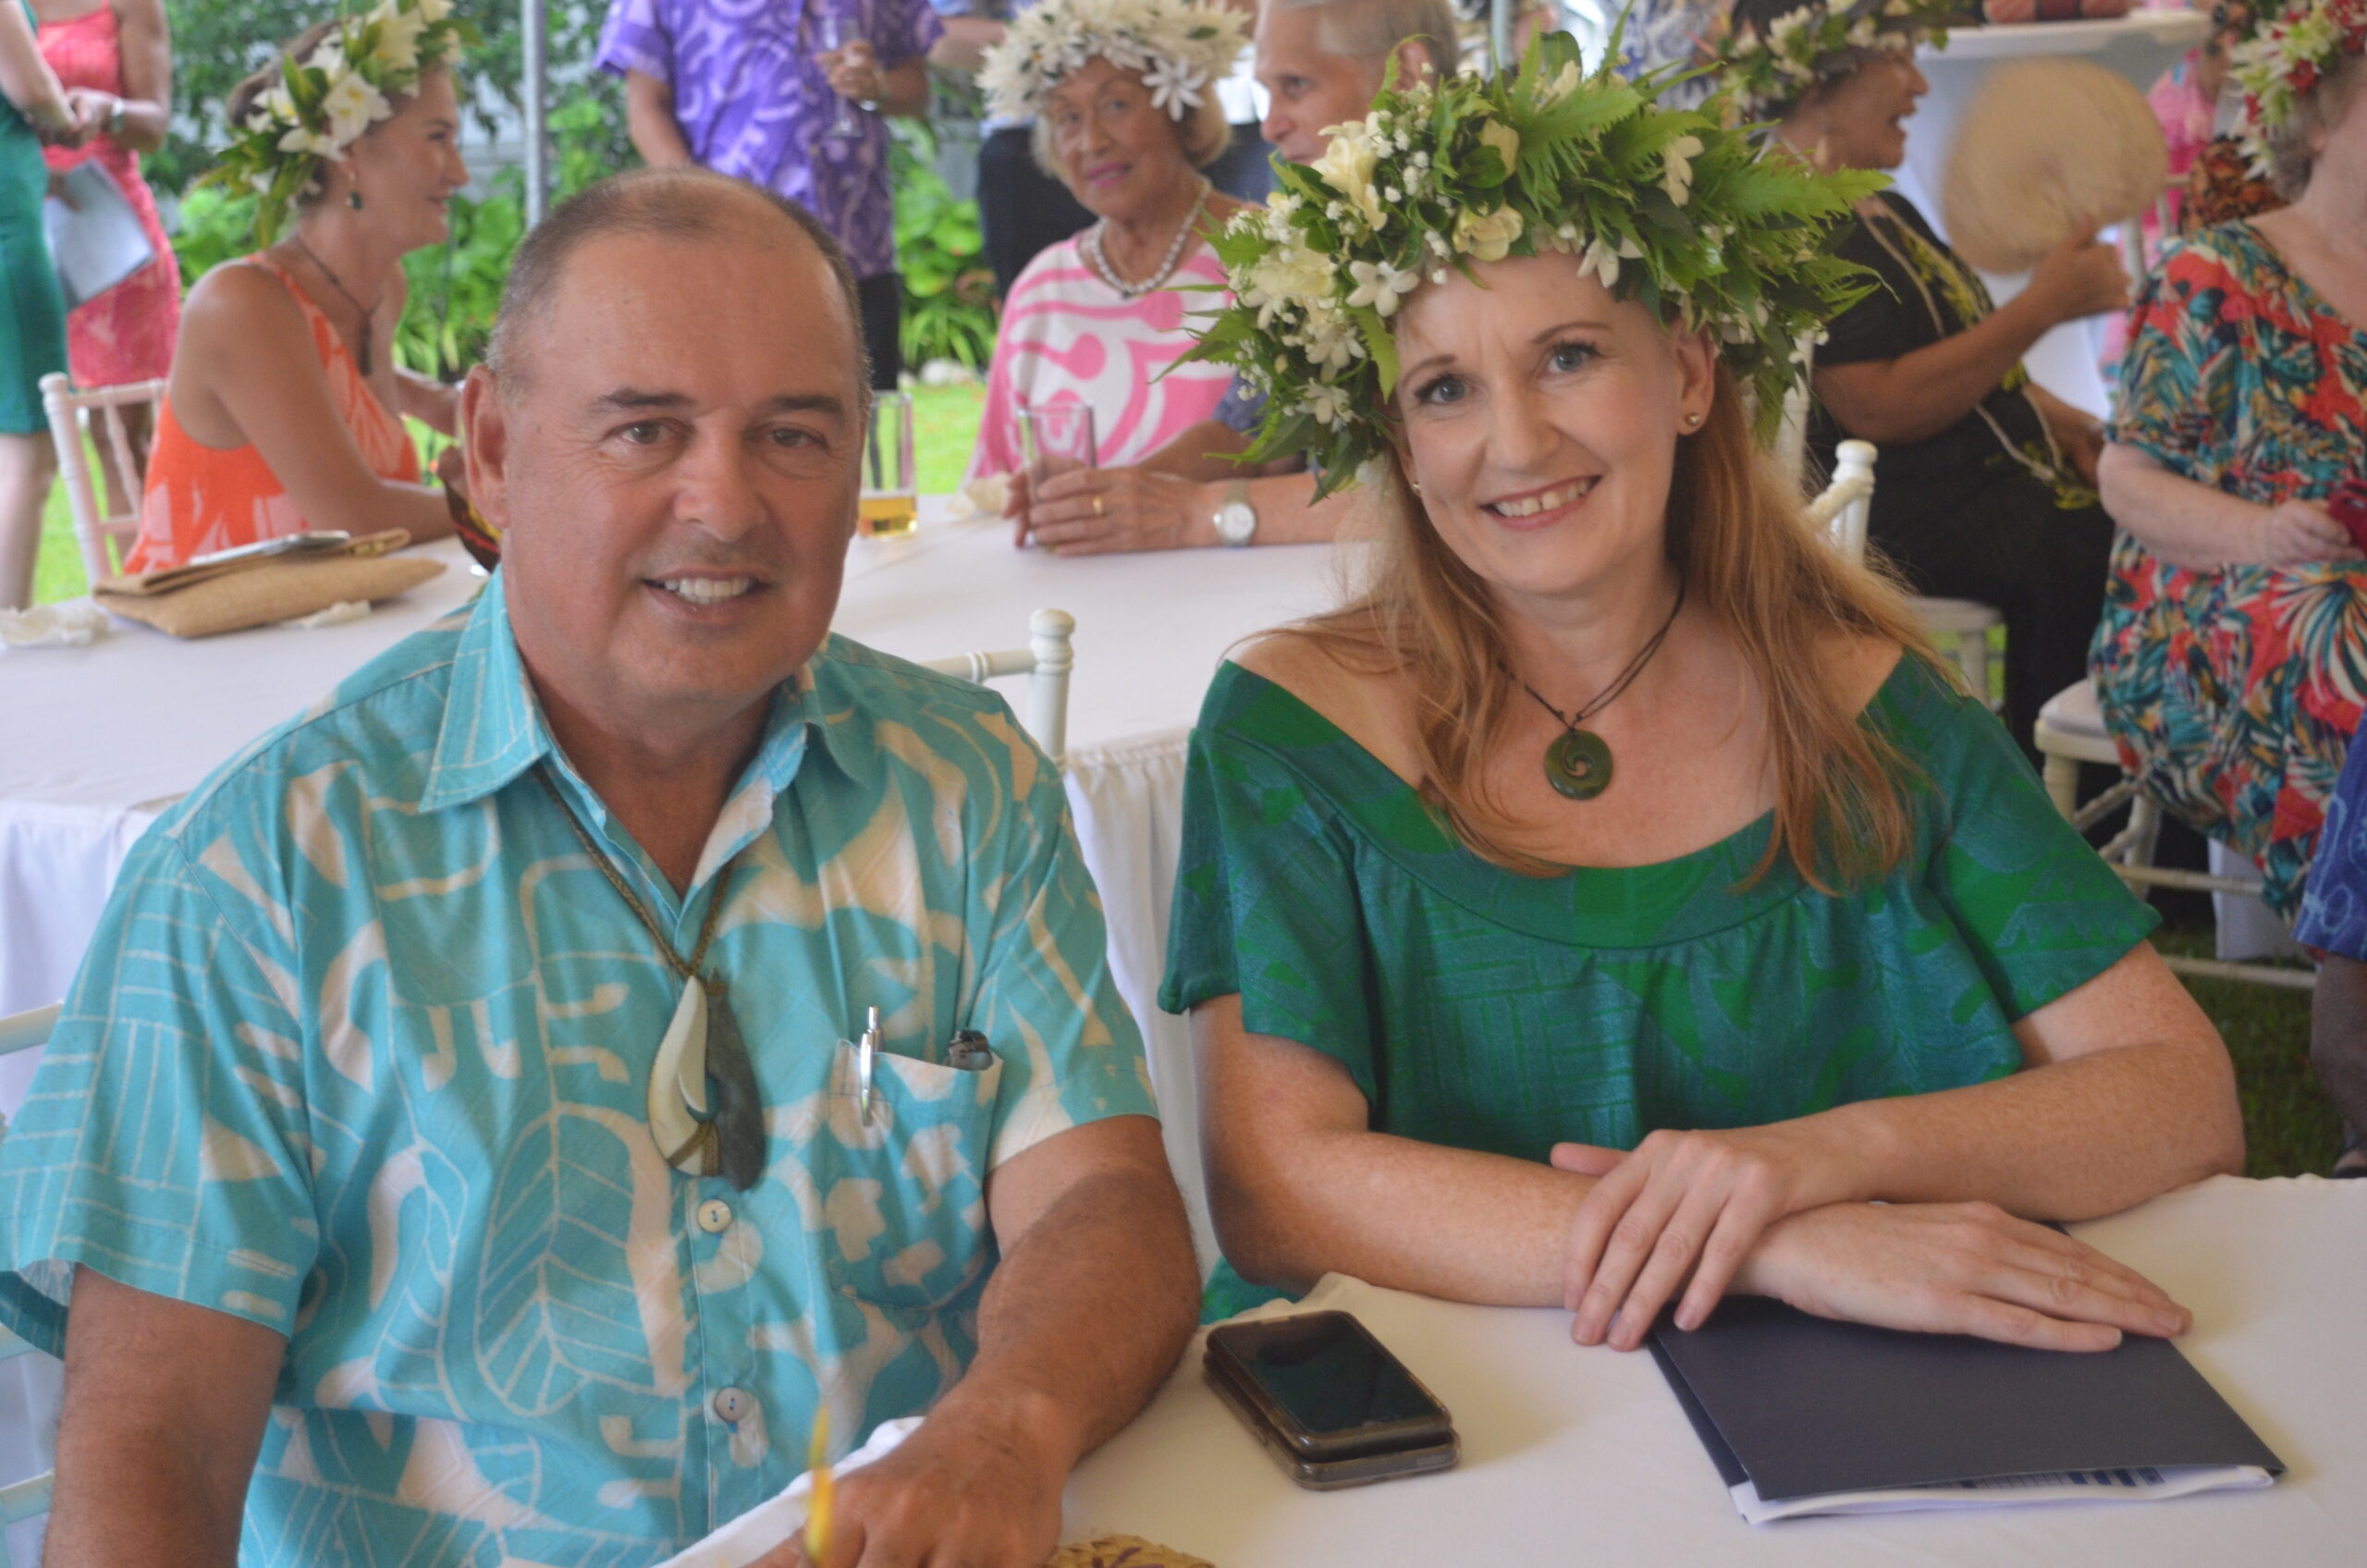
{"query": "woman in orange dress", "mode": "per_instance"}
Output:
(284, 409)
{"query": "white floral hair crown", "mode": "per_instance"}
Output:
(1666, 207)
(1762, 75)
(2287, 58)
(1179, 46)
(324, 101)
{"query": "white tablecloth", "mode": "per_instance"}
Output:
(101, 740)
(1582, 1456)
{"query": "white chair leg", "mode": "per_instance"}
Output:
(1972, 657)
(1047, 688)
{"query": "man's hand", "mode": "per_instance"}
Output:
(1958, 1268)
(854, 71)
(964, 1489)
(1103, 510)
(2298, 533)
(1684, 1204)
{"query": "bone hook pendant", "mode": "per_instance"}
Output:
(678, 1089)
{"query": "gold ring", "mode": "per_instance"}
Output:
(1097, 504)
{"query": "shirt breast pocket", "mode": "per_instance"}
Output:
(904, 1194)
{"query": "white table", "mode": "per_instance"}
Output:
(1582, 1456)
(101, 740)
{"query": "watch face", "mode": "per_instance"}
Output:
(1236, 522)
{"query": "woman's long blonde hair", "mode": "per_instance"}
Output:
(1739, 533)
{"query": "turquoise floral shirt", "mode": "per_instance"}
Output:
(361, 1052)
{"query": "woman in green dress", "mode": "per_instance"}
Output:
(32, 312)
(1616, 904)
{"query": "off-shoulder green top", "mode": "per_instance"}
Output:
(1483, 1009)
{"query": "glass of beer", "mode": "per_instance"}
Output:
(891, 504)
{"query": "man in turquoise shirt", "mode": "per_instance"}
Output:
(351, 1149)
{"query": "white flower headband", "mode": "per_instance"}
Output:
(324, 103)
(1178, 45)
(1761, 76)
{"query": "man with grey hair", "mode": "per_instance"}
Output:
(1321, 62)
(507, 1109)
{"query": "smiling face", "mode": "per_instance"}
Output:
(1540, 418)
(407, 166)
(1308, 88)
(677, 483)
(1860, 121)
(1117, 150)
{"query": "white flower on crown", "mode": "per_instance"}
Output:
(352, 105)
(1347, 167)
(1328, 403)
(1179, 46)
(1486, 236)
(398, 34)
(1563, 83)
(1380, 285)
(1676, 168)
(1286, 275)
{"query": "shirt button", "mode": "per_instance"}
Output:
(734, 1405)
(714, 1216)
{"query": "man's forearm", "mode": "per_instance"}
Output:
(649, 122)
(1085, 1316)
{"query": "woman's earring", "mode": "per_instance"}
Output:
(353, 197)
(1692, 421)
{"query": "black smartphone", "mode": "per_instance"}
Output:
(1336, 1408)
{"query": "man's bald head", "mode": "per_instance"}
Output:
(686, 204)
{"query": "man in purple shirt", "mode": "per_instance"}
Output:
(790, 95)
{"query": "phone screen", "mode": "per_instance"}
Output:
(1330, 1376)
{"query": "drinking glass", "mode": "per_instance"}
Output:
(889, 508)
(834, 30)
(1054, 439)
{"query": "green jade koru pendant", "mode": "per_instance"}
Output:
(1578, 764)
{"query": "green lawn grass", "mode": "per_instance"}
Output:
(2291, 1128)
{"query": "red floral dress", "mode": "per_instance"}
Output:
(2234, 694)
(127, 333)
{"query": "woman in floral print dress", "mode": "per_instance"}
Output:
(2231, 662)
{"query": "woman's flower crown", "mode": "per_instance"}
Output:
(326, 101)
(2285, 58)
(1178, 45)
(1668, 207)
(1762, 76)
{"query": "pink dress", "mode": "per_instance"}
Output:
(1069, 337)
(127, 333)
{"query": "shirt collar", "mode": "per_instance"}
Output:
(492, 729)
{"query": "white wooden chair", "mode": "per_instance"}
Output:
(22, 1500)
(2071, 730)
(1961, 627)
(1046, 661)
(96, 413)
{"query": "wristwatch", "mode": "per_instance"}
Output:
(1236, 519)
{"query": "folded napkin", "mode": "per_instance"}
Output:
(775, 1520)
(71, 625)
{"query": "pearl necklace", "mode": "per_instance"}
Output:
(1100, 260)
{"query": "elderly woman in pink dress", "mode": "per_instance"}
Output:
(1126, 114)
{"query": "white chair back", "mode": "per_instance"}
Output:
(22, 1500)
(98, 410)
(1792, 435)
(1841, 511)
(1046, 661)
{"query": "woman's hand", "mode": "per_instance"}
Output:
(1958, 1268)
(1102, 510)
(1685, 1204)
(2080, 277)
(2298, 533)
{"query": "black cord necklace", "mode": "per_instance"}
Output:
(1579, 764)
(363, 357)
